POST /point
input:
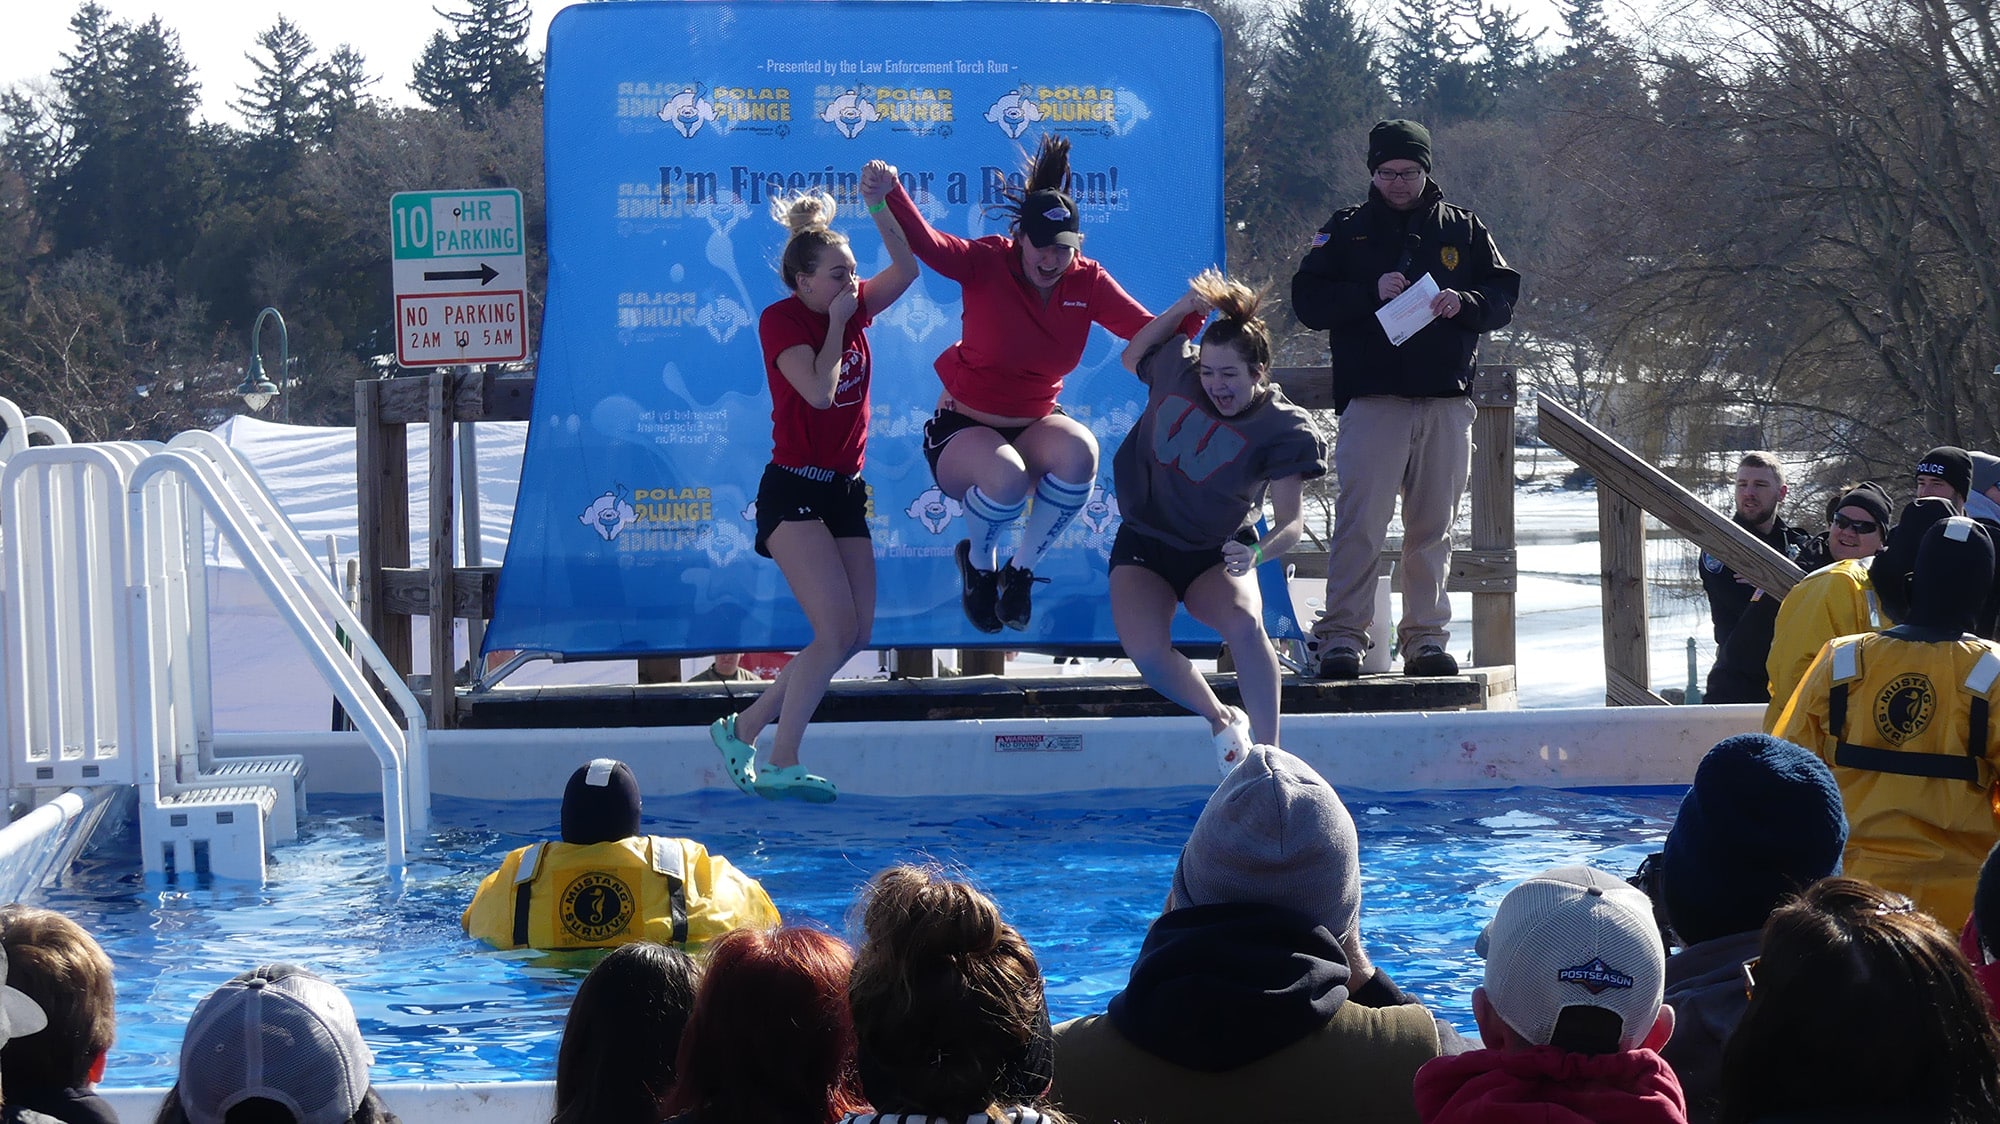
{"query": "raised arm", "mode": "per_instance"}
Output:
(1162, 328)
(877, 178)
(949, 255)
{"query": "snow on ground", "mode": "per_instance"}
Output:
(265, 682)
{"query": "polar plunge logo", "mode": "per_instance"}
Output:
(1014, 112)
(1091, 109)
(756, 109)
(609, 514)
(849, 113)
(688, 111)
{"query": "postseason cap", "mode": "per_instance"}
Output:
(1574, 937)
(279, 1033)
(1049, 218)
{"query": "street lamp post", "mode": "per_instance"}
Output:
(257, 389)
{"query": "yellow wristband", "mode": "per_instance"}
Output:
(876, 208)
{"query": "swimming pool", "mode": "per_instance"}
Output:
(1081, 874)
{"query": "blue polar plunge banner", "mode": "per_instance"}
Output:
(670, 128)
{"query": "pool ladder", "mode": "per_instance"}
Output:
(104, 646)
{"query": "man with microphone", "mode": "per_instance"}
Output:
(1405, 418)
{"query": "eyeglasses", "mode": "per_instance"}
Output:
(1858, 526)
(1410, 176)
(1750, 976)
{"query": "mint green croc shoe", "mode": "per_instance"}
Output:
(793, 783)
(739, 757)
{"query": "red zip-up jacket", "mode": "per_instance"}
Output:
(1015, 349)
(1547, 1085)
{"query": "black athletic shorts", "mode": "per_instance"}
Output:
(945, 424)
(786, 495)
(1179, 568)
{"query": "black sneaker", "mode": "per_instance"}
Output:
(1339, 663)
(1429, 662)
(978, 590)
(1017, 603)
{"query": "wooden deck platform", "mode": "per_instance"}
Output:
(964, 697)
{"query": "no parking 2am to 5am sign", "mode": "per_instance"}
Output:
(461, 273)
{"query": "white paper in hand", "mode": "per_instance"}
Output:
(1410, 311)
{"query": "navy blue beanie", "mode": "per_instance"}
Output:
(1762, 822)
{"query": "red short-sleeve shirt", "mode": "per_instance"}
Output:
(802, 436)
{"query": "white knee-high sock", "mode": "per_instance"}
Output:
(985, 521)
(1056, 503)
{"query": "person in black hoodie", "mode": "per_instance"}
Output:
(1252, 998)
(1405, 416)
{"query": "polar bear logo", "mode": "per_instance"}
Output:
(608, 515)
(850, 113)
(688, 111)
(1014, 113)
(1101, 512)
(723, 319)
(933, 509)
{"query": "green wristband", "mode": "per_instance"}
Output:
(1256, 554)
(876, 208)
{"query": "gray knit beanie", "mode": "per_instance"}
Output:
(1274, 833)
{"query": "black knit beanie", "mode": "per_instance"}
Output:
(1951, 464)
(1399, 140)
(601, 803)
(1953, 575)
(1891, 571)
(1869, 497)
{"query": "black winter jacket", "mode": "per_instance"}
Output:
(1335, 289)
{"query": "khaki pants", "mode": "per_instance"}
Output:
(1420, 449)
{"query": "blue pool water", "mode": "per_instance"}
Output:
(1081, 875)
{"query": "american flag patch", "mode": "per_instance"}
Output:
(1319, 239)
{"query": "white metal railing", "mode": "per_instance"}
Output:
(304, 599)
(23, 427)
(243, 484)
(64, 626)
(104, 644)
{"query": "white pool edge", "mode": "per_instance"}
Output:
(1580, 747)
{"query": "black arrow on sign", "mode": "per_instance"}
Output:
(484, 274)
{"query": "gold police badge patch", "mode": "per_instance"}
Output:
(1904, 708)
(1449, 256)
(595, 907)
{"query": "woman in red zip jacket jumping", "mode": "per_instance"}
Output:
(1029, 300)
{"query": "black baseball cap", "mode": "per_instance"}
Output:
(1049, 218)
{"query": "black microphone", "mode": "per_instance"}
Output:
(1411, 242)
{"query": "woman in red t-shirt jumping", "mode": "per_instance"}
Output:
(1029, 302)
(812, 505)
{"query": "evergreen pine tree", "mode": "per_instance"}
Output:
(340, 88)
(144, 173)
(439, 81)
(483, 64)
(1512, 59)
(1426, 42)
(1322, 91)
(278, 104)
